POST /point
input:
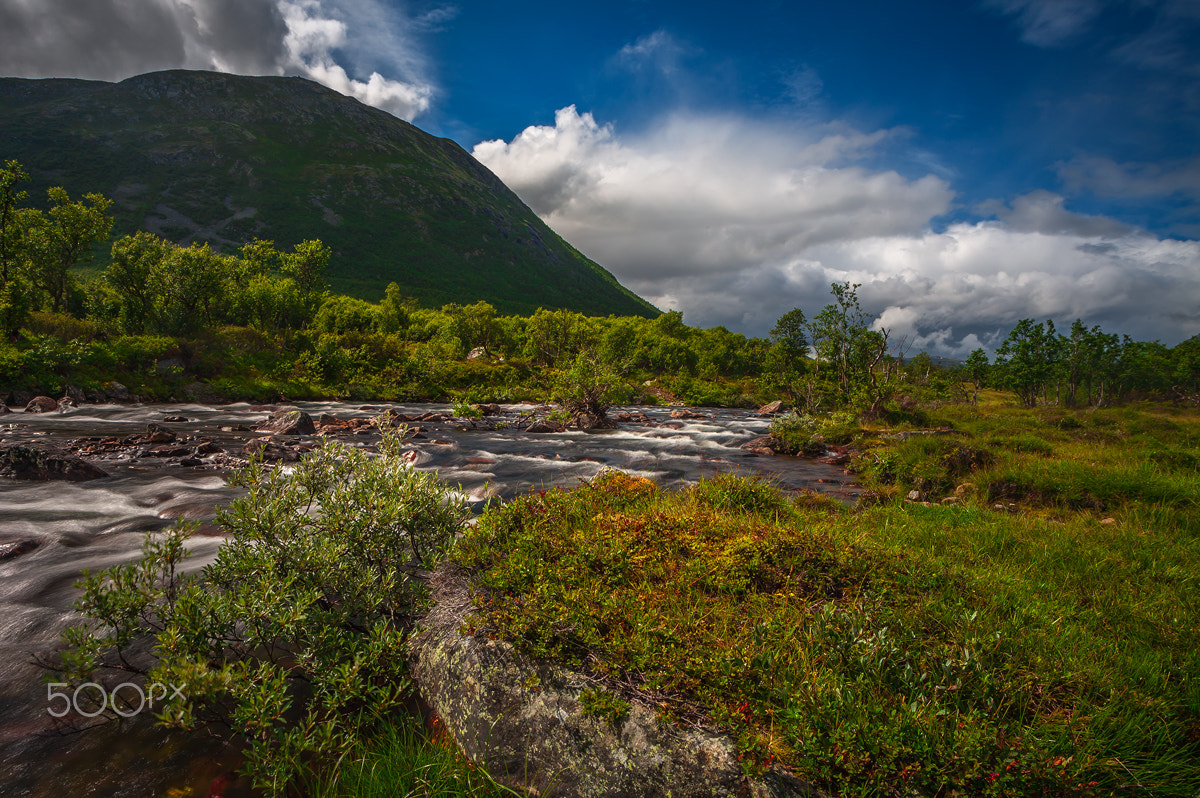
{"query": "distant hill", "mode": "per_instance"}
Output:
(204, 156)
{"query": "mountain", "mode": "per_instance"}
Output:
(205, 156)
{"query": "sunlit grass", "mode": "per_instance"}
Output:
(1049, 647)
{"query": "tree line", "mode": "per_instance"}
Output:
(152, 294)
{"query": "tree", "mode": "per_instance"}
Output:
(1027, 359)
(975, 368)
(791, 336)
(65, 239)
(134, 259)
(15, 290)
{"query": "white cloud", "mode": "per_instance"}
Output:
(735, 221)
(313, 36)
(364, 48)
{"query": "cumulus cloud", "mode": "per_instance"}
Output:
(114, 39)
(736, 221)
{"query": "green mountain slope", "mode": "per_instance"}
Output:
(203, 156)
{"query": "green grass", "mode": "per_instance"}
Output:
(954, 649)
(404, 761)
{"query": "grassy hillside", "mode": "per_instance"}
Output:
(202, 156)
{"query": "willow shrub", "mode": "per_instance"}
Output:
(292, 639)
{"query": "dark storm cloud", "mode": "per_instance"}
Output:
(113, 39)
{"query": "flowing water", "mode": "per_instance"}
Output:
(101, 523)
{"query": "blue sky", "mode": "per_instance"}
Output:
(969, 163)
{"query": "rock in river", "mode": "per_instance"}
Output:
(44, 463)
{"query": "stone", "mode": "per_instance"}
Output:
(9, 551)
(686, 414)
(288, 422)
(477, 353)
(4, 409)
(159, 434)
(117, 392)
(43, 464)
(523, 721)
(269, 450)
(175, 419)
(545, 425)
(915, 496)
(75, 394)
(770, 409)
(767, 444)
(41, 404)
(490, 409)
(1108, 521)
(208, 447)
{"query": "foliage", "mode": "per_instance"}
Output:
(403, 761)
(293, 638)
(877, 652)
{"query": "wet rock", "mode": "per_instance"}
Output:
(288, 422)
(208, 447)
(523, 721)
(157, 433)
(765, 444)
(9, 551)
(191, 462)
(686, 414)
(392, 418)
(432, 416)
(44, 463)
(545, 425)
(270, 451)
(75, 394)
(168, 450)
(116, 392)
(175, 419)
(770, 409)
(589, 421)
(41, 404)
(4, 409)
(490, 409)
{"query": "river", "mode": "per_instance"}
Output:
(101, 523)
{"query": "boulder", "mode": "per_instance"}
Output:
(587, 421)
(770, 409)
(490, 409)
(116, 392)
(288, 422)
(523, 721)
(4, 409)
(270, 451)
(686, 414)
(44, 463)
(545, 425)
(764, 444)
(157, 433)
(41, 404)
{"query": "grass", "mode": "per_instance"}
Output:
(953, 649)
(405, 761)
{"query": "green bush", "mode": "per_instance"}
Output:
(293, 639)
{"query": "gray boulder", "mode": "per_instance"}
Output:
(524, 722)
(41, 404)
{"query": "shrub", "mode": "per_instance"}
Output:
(293, 639)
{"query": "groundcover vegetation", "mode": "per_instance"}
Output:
(951, 649)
